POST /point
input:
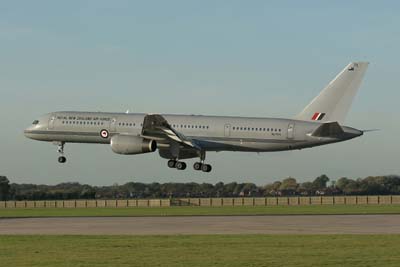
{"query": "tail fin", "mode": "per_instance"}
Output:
(333, 103)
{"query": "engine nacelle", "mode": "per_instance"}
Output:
(130, 145)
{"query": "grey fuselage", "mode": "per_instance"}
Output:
(214, 133)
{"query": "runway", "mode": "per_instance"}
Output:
(298, 224)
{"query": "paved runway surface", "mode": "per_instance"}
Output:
(298, 224)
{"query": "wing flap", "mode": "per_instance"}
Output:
(156, 126)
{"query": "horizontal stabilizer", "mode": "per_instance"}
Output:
(329, 129)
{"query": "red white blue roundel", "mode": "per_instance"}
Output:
(104, 133)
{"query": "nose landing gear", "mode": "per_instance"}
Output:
(60, 149)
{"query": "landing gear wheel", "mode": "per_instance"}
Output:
(206, 168)
(181, 165)
(197, 166)
(62, 159)
(172, 163)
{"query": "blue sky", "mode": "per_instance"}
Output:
(245, 58)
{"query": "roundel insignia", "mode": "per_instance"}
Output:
(104, 133)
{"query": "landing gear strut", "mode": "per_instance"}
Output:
(60, 149)
(201, 165)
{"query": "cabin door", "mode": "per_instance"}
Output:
(113, 125)
(227, 130)
(51, 122)
(290, 131)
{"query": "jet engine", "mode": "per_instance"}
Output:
(130, 145)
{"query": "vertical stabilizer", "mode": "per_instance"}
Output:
(333, 103)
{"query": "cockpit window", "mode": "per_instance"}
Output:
(35, 122)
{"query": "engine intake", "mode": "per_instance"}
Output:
(131, 145)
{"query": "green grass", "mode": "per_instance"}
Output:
(201, 251)
(199, 211)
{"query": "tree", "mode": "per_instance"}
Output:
(289, 186)
(307, 188)
(320, 182)
(342, 182)
(4, 188)
(249, 188)
(351, 188)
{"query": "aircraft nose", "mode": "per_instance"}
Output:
(28, 132)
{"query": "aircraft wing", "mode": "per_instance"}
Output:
(157, 127)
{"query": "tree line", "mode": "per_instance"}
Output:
(322, 185)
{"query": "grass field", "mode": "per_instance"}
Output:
(194, 251)
(199, 211)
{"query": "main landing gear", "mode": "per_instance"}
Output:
(60, 149)
(176, 164)
(201, 165)
(198, 166)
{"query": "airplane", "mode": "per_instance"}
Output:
(180, 137)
